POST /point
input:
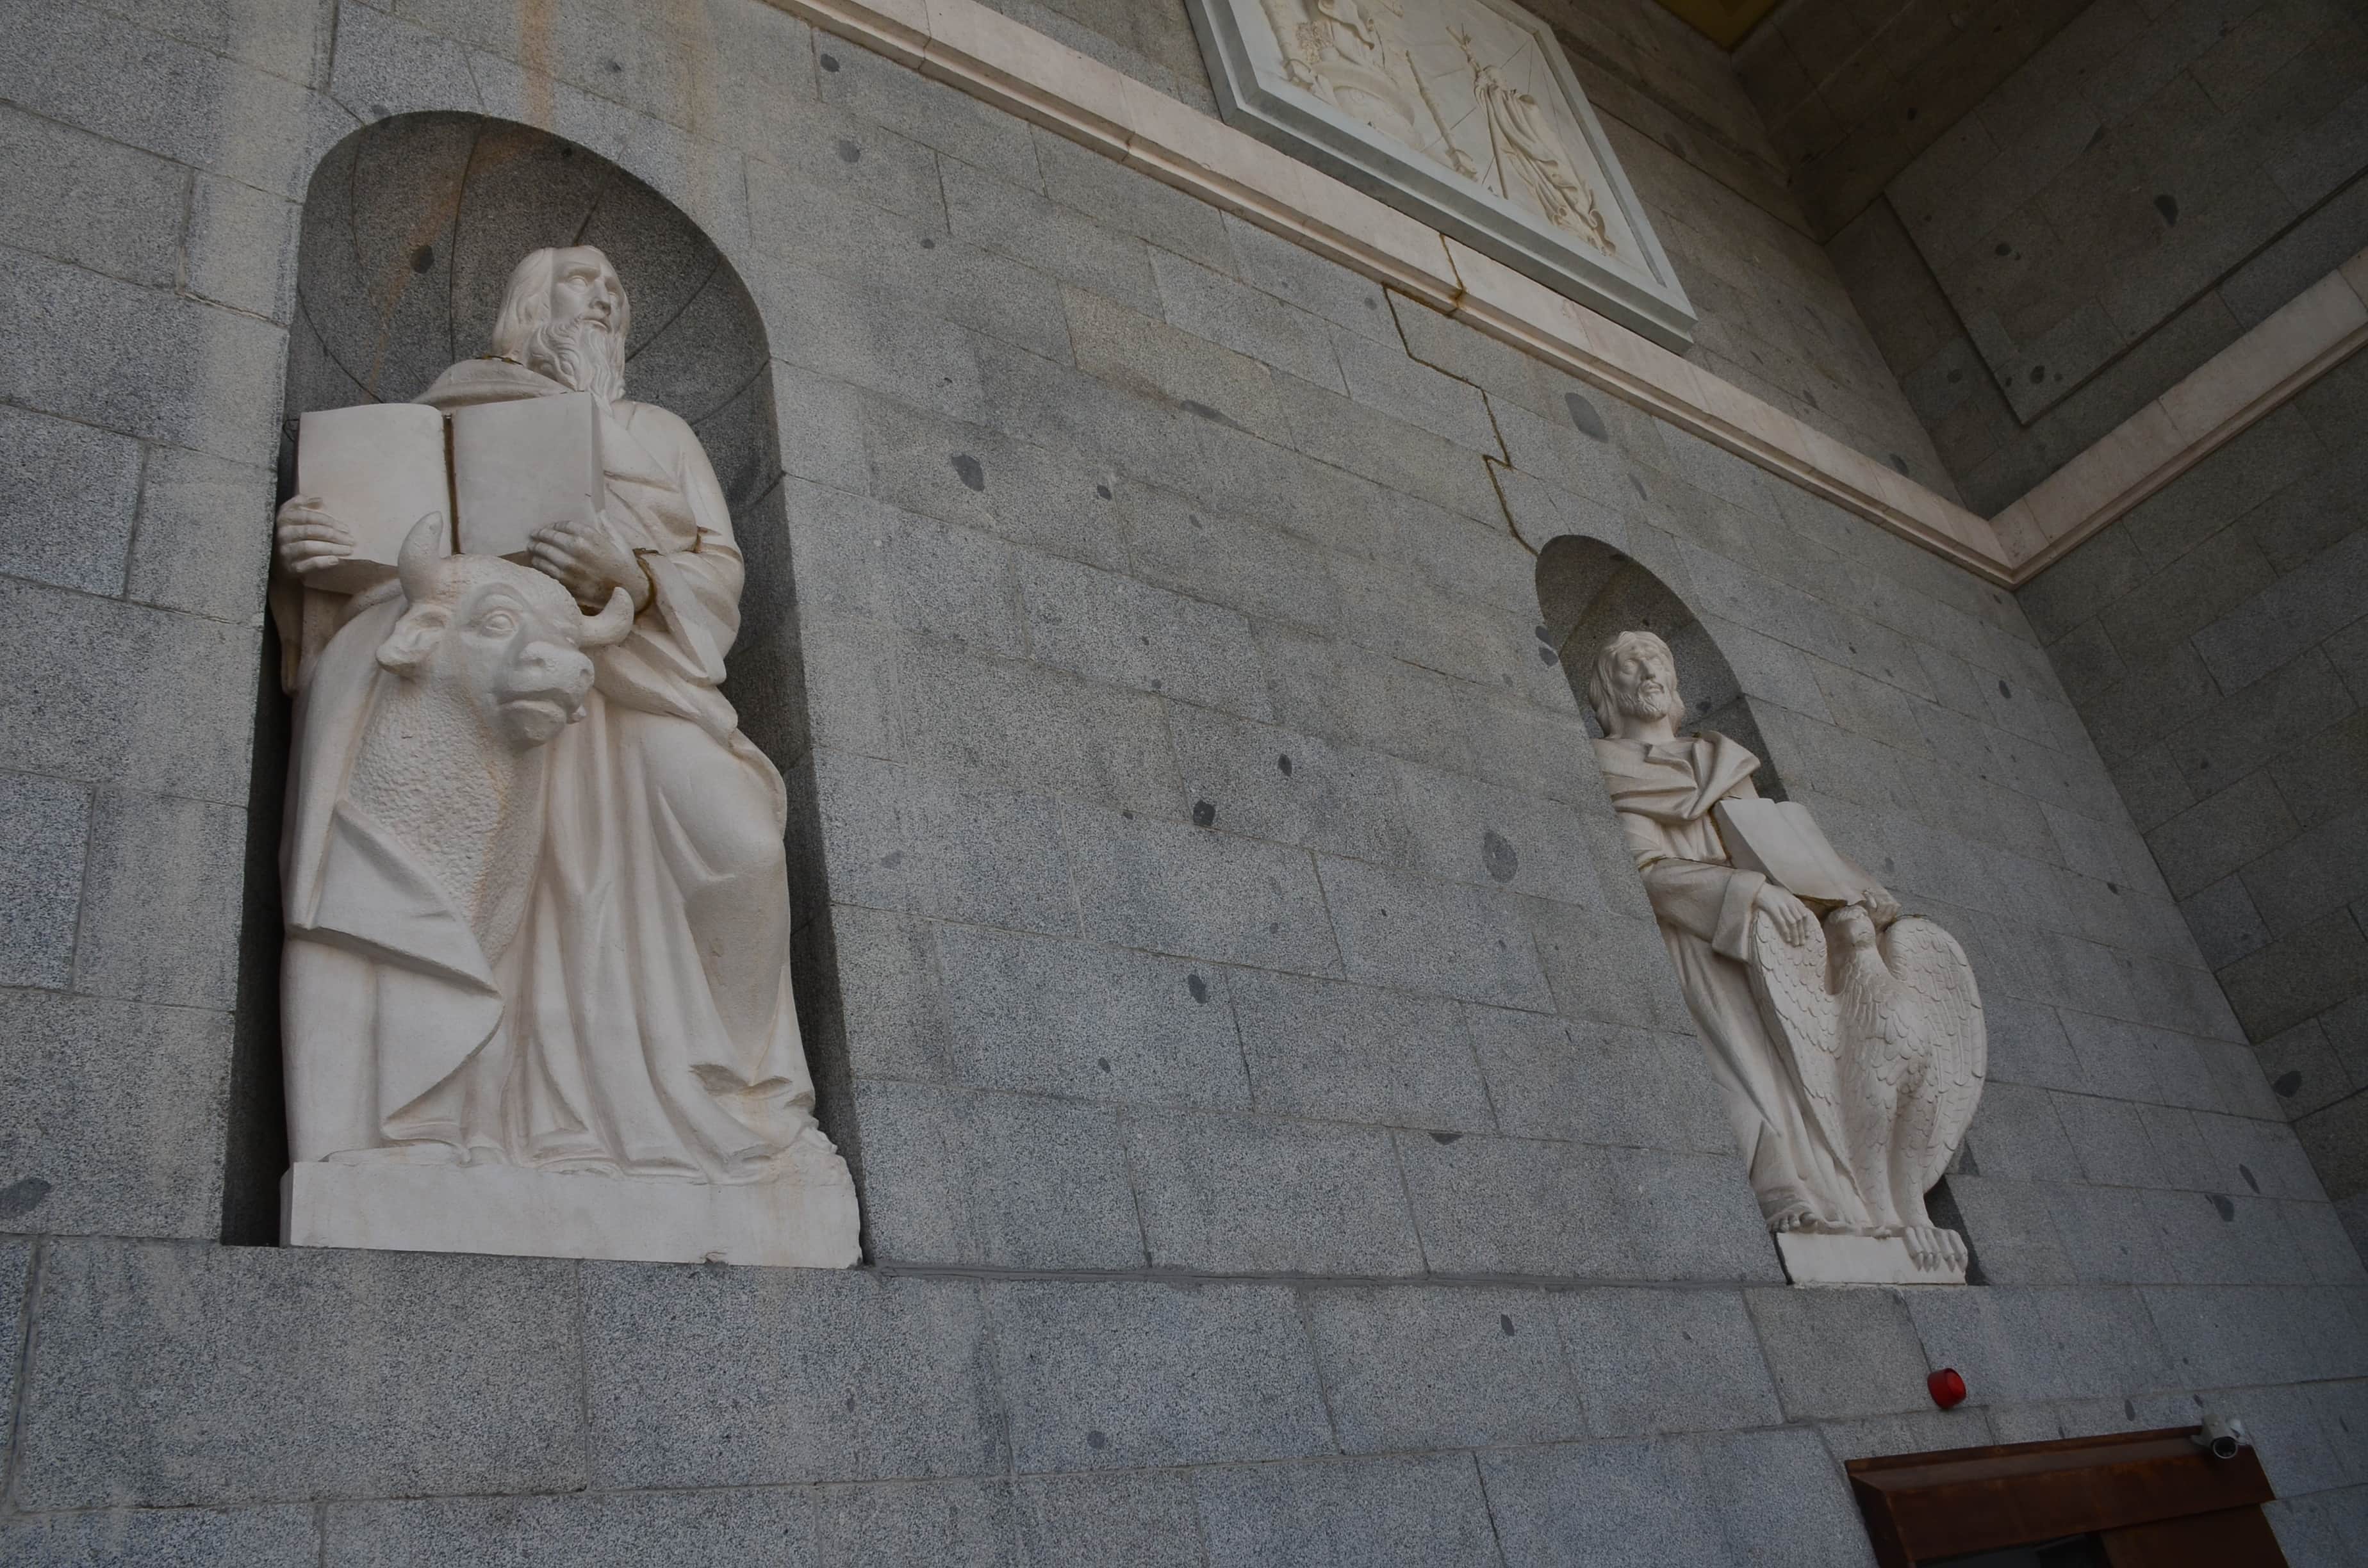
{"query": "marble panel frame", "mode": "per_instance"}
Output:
(1248, 72)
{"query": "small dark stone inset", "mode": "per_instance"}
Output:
(1505, 1322)
(1445, 1137)
(1096, 1440)
(2038, 374)
(1496, 853)
(423, 259)
(1102, 1063)
(1283, 762)
(831, 61)
(1899, 463)
(1198, 987)
(1545, 656)
(972, 472)
(2005, 690)
(928, 245)
(2167, 205)
(892, 859)
(1103, 491)
(22, 1197)
(848, 151)
(1204, 813)
(1545, 636)
(1372, 303)
(2004, 248)
(2288, 1085)
(1583, 415)
(2227, 1209)
(2247, 1172)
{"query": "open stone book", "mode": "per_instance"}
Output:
(498, 471)
(1783, 843)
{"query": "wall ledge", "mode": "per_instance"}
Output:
(2313, 332)
(979, 51)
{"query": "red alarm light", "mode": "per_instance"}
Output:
(1948, 1390)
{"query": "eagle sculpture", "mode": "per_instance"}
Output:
(1884, 1029)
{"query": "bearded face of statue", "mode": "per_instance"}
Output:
(1634, 682)
(579, 342)
(1645, 683)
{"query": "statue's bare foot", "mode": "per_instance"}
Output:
(1953, 1250)
(1795, 1217)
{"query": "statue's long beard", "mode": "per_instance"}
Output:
(580, 356)
(1638, 703)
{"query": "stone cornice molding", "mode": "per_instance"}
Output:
(990, 57)
(2244, 382)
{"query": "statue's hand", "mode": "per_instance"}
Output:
(1793, 921)
(590, 564)
(310, 541)
(1881, 904)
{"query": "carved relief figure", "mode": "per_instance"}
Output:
(1522, 147)
(1849, 1082)
(1351, 54)
(535, 897)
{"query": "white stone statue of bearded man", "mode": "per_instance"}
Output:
(1666, 786)
(640, 1023)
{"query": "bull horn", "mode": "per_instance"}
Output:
(615, 620)
(420, 566)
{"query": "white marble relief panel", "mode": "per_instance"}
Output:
(1461, 112)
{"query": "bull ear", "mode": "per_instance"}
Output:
(615, 620)
(414, 639)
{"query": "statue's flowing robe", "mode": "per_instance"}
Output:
(625, 1026)
(1665, 794)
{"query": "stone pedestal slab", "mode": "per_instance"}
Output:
(1858, 1260)
(503, 1209)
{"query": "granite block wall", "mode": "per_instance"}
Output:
(2153, 181)
(1776, 317)
(1852, 93)
(2213, 642)
(1280, 1134)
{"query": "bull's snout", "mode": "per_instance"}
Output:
(554, 669)
(542, 690)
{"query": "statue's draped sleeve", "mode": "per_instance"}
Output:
(666, 507)
(1664, 801)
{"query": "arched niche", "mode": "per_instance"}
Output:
(410, 229)
(1589, 591)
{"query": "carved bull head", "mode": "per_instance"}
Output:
(503, 638)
